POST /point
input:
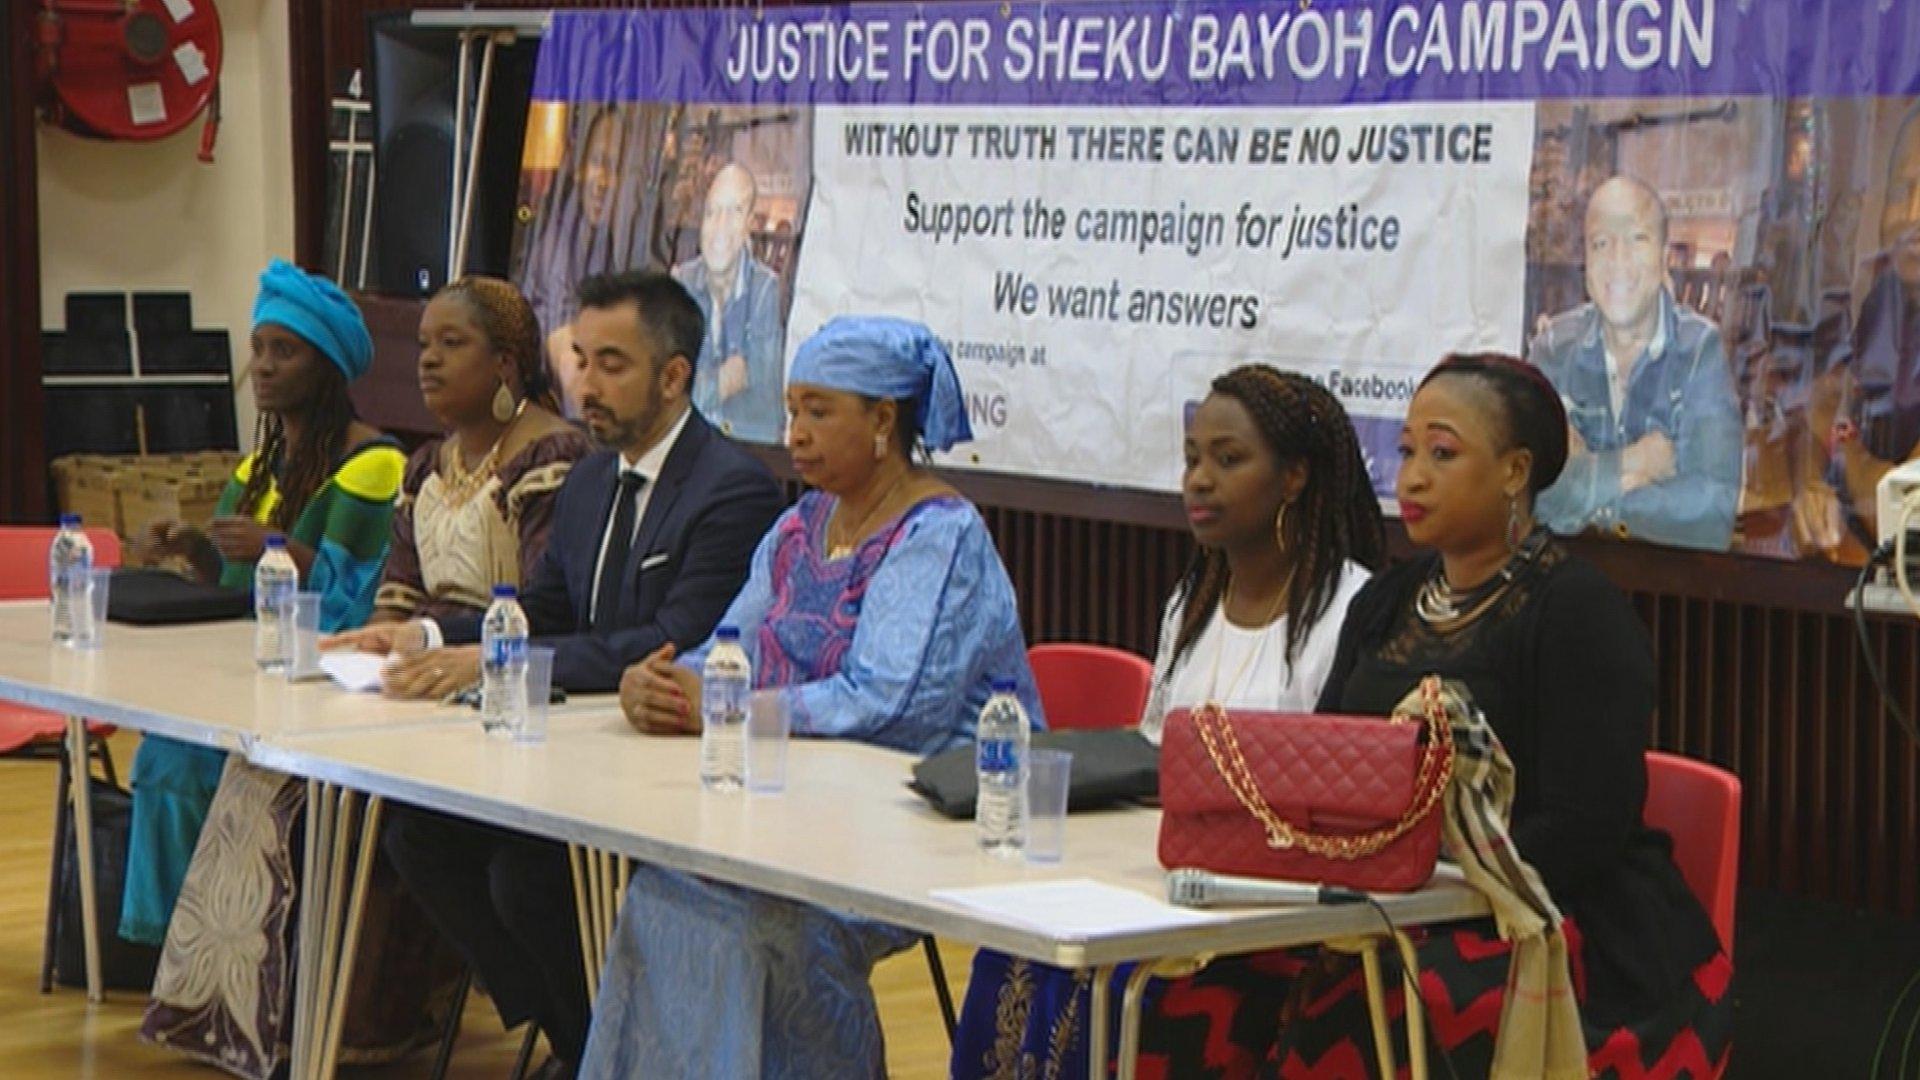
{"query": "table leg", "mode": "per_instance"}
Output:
(307, 947)
(1170, 968)
(1101, 991)
(343, 828)
(1377, 1005)
(80, 777)
(1415, 1012)
(350, 935)
(577, 859)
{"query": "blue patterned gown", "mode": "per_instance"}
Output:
(893, 645)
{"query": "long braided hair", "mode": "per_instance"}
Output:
(508, 322)
(1336, 518)
(301, 469)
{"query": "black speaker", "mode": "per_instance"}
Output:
(71, 352)
(415, 80)
(186, 418)
(91, 420)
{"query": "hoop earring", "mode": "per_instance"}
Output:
(1280, 528)
(1515, 528)
(503, 404)
(879, 447)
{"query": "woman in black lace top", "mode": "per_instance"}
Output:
(1555, 657)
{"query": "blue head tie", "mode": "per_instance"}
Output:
(316, 309)
(881, 357)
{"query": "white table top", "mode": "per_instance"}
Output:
(195, 682)
(846, 833)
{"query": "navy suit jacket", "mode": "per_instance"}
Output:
(708, 509)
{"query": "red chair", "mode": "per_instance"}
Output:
(1080, 686)
(23, 576)
(1090, 686)
(1699, 806)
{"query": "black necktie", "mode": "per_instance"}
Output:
(613, 568)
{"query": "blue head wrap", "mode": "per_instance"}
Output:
(882, 357)
(316, 309)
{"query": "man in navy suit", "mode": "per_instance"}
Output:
(651, 538)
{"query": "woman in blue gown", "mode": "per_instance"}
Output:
(878, 608)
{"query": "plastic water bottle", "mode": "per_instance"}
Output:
(1000, 769)
(275, 580)
(503, 664)
(69, 569)
(725, 685)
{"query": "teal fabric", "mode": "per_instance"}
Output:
(176, 781)
(316, 309)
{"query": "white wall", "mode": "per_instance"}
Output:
(126, 216)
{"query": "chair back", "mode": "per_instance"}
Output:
(1699, 806)
(23, 558)
(1090, 686)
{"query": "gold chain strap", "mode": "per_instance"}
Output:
(1436, 772)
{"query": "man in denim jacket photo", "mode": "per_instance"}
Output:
(1656, 440)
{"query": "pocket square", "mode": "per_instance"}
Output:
(658, 558)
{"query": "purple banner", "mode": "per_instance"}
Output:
(1221, 53)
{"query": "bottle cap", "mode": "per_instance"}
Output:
(727, 633)
(69, 521)
(276, 541)
(1004, 686)
(505, 592)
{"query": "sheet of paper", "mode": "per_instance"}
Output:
(1076, 907)
(355, 671)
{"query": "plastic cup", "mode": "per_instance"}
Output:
(533, 729)
(1048, 772)
(303, 649)
(91, 632)
(769, 729)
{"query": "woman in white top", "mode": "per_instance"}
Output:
(1288, 527)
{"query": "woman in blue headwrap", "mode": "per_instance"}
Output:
(878, 608)
(326, 481)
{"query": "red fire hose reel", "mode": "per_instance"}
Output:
(131, 69)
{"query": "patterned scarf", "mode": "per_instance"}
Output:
(1540, 1036)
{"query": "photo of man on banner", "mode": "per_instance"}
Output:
(737, 379)
(1656, 435)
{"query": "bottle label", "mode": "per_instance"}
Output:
(996, 756)
(503, 652)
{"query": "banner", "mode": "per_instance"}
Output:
(1698, 217)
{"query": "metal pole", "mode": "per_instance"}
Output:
(366, 218)
(464, 226)
(455, 195)
(346, 196)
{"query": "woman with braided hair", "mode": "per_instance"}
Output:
(1288, 527)
(1551, 654)
(210, 872)
(475, 507)
(317, 475)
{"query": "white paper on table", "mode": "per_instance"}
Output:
(352, 670)
(1076, 907)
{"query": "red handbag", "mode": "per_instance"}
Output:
(1343, 800)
